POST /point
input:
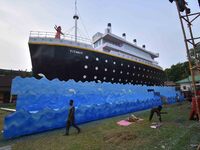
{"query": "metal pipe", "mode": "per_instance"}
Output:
(75, 30)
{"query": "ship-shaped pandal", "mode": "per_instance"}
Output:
(109, 58)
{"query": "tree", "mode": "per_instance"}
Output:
(197, 51)
(177, 72)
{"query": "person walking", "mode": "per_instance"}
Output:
(71, 118)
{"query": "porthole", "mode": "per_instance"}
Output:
(84, 77)
(126, 80)
(95, 77)
(114, 62)
(86, 57)
(96, 68)
(120, 80)
(104, 78)
(133, 74)
(131, 81)
(127, 73)
(112, 79)
(97, 59)
(85, 66)
(128, 66)
(113, 70)
(139, 68)
(134, 67)
(122, 64)
(106, 61)
(121, 72)
(106, 69)
(138, 75)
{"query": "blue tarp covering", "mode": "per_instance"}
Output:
(42, 104)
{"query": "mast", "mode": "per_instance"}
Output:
(76, 17)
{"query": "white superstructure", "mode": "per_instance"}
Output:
(110, 43)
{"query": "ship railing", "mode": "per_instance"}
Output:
(127, 54)
(47, 35)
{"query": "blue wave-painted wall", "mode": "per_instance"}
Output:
(42, 104)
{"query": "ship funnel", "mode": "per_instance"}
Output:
(109, 29)
(144, 46)
(135, 41)
(124, 35)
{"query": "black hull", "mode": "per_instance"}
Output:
(68, 62)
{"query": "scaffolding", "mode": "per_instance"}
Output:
(186, 19)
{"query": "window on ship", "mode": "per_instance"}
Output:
(112, 42)
(97, 43)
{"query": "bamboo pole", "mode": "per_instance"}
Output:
(188, 55)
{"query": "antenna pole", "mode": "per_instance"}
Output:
(76, 17)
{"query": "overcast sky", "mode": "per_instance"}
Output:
(152, 22)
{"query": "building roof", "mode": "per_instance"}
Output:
(189, 79)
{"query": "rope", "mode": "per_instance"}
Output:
(88, 36)
(69, 31)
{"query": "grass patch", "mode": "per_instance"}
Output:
(8, 105)
(177, 132)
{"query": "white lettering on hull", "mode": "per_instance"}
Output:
(76, 52)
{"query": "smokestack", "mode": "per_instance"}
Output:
(124, 35)
(143, 46)
(135, 41)
(109, 28)
(109, 25)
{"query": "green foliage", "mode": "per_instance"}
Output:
(177, 72)
(181, 70)
(197, 51)
(13, 73)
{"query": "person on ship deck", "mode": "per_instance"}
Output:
(58, 31)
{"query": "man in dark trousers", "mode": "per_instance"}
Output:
(157, 111)
(71, 118)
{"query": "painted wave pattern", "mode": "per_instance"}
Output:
(42, 104)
